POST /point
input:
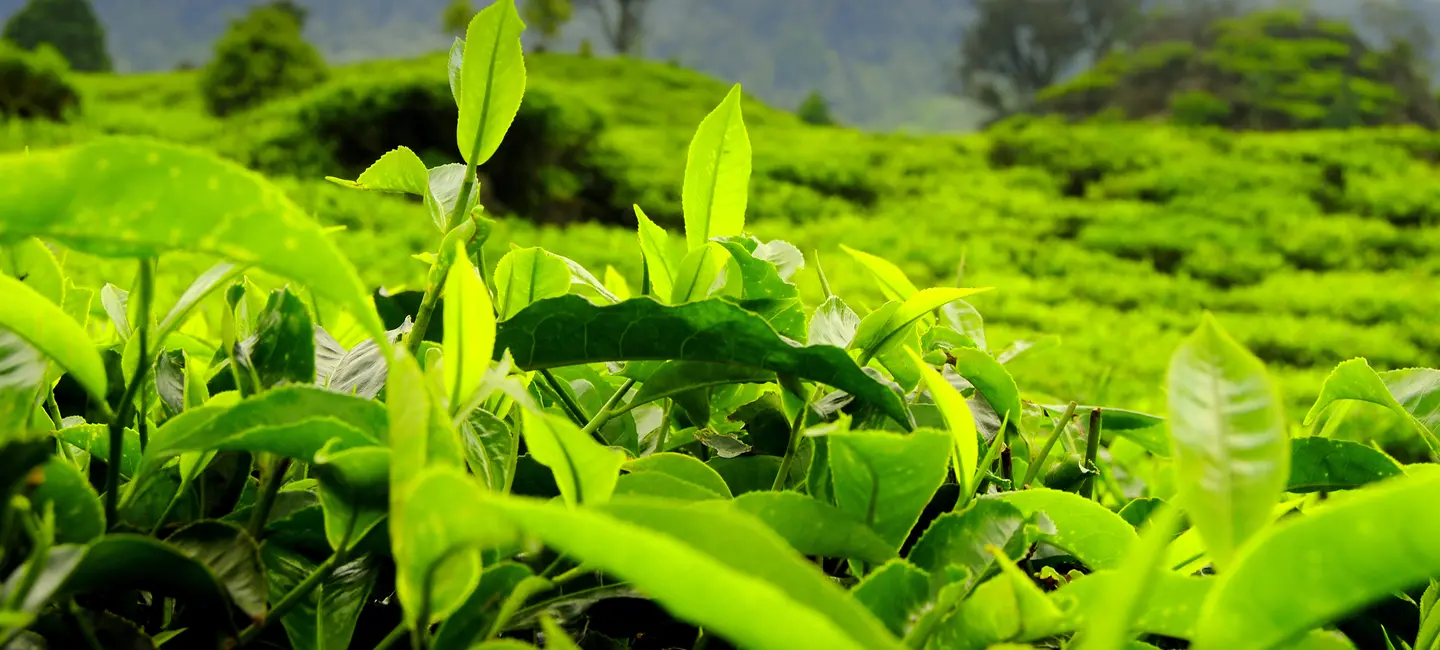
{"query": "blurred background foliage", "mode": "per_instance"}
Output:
(1274, 162)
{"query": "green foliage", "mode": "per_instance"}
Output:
(35, 85)
(69, 26)
(260, 57)
(815, 110)
(456, 17)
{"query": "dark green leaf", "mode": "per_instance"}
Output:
(124, 561)
(764, 292)
(490, 448)
(282, 351)
(78, 517)
(747, 473)
(325, 619)
(234, 558)
(354, 491)
(474, 618)
(1324, 465)
(94, 439)
(570, 330)
(60, 562)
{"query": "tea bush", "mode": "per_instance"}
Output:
(261, 57)
(527, 453)
(35, 85)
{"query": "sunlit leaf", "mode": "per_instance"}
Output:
(717, 174)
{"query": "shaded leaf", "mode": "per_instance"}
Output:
(282, 350)
(478, 613)
(491, 448)
(325, 619)
(963, 539)
(78, 516)
(45, 326)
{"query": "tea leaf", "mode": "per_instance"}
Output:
(700, 274)
(1412, 394)
(1227, 429)
(115, 301)
(453, 65)
(673, 378)
(354, 491)
(398, 170)
(884, 328)
(655, 247)
(717, 174)
(362, 371)
(963, 539)
(897, 593)
(723, 571)
(833, 323)
(490, 448)
(78, 516)
(1172, 609)
(478, 613)
(891, 279)
(764, 291)
(1321, 464)
(94, 439)
(1091, 532)
(814, 527)
(992, 381)
(325, 619)
(22, 373)
(885, 479)
(585, 470)
(1112, 627)
(1309, 571)
(1007, 608)
(233, 556)
(133, 197)
(656, 484)
(570, 330)
(492, 80)
(965, 444)
(526, 275)
(685, 468)
(469, 337)
(420, 434)
(282, 350)
(42, 324)
(437, 534)
(120, 561)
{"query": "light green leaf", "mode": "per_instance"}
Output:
(44, 325)
(22, 373)
(492, 80)
(1172, 608)
(683, 467)
(814, 527)
(992, 380)
(886, 479)
(1091, 532)
(1007, 608)
(399, 170)
(833, 323)
(78, 517)
(1227, 429)
(1412, 394)
(525, 275)
(882, 328)
(898, 593)
(1112, 627)
(700, 274)
(673, 378)
(891, 279)
(655, 246)
(665, 486)
(469, 337)
(585, 470)
(1308, 571)
(474, 618)
(31, 262)
(965, 447)
(132, 197)
(717, 175)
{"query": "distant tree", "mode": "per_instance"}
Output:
(261, 57)
(296, 10)
(70, 26)
(815, 110)
(623, 22)
(35, 84)
(457, 17)
(1014, 48)
(547, 17)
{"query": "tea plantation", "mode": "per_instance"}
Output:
(495, 350)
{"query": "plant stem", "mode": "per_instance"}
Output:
(664, 431)
(393, 637)
(991, 453)
(1092, 448)
(793, 446)
(126, 409)
(1036, 463)
(571, 408)
(147, 296)
(608, 410)
(273, 481)
(54, 408)
(422, 318)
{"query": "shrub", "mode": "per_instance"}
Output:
(1198, 108)
(70, 26)
(815, 110)
(261, 57)
(35, 85)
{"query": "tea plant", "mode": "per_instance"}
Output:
(553, 462)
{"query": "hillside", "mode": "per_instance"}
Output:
(1310, 247)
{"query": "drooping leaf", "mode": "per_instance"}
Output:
(886, 479)
(469, 337)
(570, 330)
(721, 570)
(965, 444)
(1089, 531)
(45, 326)
(233, 556)
(490, 448)
(526, 275)
(134, 197)
(325, 619)
(717, 175)
(1312, 570)
(1412, 394)
(813, 527)
(891, 279)
(437, 542)
(1322, 464)
(78, 516)
(683, 467)
(585, 470)
(897, 593)
(1227, 429)
(492, 81)
(963, 539)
